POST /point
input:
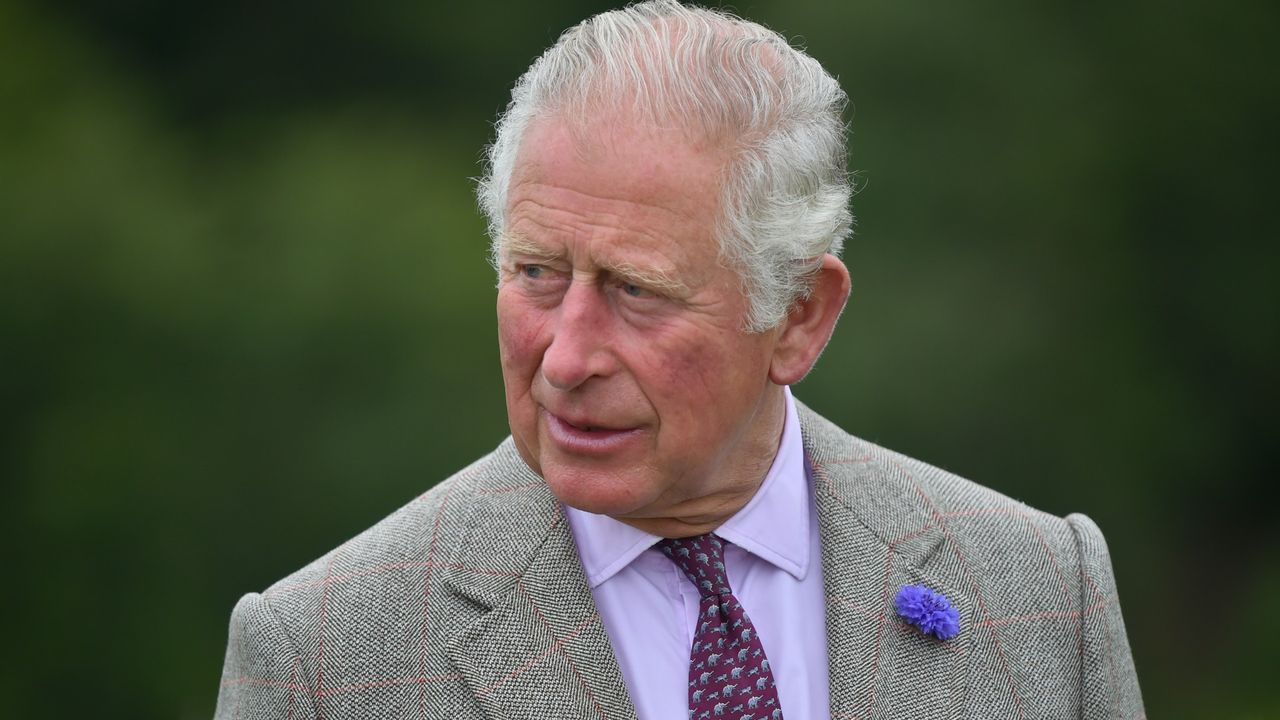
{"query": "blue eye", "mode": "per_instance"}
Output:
(633, 290)
(531, 271)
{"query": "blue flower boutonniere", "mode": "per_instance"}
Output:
(928, 610)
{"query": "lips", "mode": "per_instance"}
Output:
(587, 425)
(586, 436)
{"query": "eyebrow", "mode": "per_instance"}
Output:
(518, 245)
(648, 277)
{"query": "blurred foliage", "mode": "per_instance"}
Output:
(245, 309)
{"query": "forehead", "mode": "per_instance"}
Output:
(618, 188)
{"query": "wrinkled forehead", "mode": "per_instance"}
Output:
(629, 188)
(620, 146)
(612, 165)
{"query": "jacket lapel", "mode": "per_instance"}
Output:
(537, 648)
(878, 535)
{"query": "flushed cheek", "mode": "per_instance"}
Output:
(688, 370)
(521, 346)
(518, 333)
(686, 385)
(520, 336)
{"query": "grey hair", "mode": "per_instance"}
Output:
(785, 190)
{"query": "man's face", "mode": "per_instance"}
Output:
(630, 385)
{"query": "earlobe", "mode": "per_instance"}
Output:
(810, 323)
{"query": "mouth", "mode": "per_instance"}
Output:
(587, 426)
(586, 436)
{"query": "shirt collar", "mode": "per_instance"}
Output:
(773, 526)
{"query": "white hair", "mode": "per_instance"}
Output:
(785, 190)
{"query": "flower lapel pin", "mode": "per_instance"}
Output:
(928, 610)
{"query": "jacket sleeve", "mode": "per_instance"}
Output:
(1109, 681)
(263, 676)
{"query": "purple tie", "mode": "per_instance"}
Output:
(729, 676)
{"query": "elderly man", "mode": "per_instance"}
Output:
(668, 533)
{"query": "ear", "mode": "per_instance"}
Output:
(809, 325)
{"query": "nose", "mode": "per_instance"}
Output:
(581, 331)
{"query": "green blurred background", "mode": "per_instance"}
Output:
(245, 309)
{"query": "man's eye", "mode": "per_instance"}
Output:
(532, 272)
(635, 290)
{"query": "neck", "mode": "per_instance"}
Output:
(707, 511)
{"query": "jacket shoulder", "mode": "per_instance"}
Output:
(371, 612)
(1015, 560)
(400, 537)
(1039, 588)
(894, 490)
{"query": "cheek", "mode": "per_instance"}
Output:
(687, 375)
(691, 378)
(520, 336)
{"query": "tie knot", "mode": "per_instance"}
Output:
(702, 559)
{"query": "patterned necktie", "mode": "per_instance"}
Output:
(729, 676)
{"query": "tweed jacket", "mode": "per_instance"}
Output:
(471, 602)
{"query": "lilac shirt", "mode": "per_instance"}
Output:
(649, 607)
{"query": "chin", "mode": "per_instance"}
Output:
(594, 491)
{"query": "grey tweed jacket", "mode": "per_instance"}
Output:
(471, 602)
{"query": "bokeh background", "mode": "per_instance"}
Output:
(245, 309)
